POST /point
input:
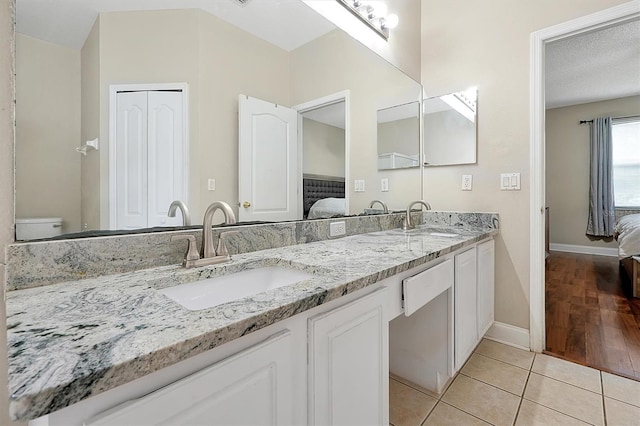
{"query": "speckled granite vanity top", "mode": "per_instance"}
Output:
(71, 340)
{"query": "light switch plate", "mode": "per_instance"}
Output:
(510, 181)
(358, 185)
(211, 184)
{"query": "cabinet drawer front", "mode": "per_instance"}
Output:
(424, 287)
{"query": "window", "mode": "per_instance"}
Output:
(626, 162)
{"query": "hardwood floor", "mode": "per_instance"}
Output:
(591, 317)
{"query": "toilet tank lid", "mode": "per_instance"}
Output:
(40, 220)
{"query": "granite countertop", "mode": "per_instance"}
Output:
(72, 340)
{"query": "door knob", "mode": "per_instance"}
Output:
(246, 204)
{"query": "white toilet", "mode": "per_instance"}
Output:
(34, 229)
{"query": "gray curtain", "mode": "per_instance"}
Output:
(601, 205)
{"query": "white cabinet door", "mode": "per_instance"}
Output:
(349, 364)
(466, 328)
(486, 283)
(253, 387)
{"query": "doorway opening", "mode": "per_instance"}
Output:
(324, 130)
(607, 18)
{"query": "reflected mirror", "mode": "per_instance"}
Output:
(122, 109)
(399, 136)
(449, 133)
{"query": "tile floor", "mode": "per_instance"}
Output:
(502, 385)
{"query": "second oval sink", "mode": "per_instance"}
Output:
(215, 291)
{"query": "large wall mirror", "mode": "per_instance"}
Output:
(163, 95)
(450, 124)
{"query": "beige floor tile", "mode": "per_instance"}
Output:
(621, 388)
(446, 415)
(535, 414)
(418, 387)
(621, 414)
(505, 353)
(571, 400)
(497, 373)
(481, 400)
(568, 372)
(407, 406)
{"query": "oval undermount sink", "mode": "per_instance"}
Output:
(215, 291)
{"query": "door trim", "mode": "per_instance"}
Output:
(113, 91)
(343, 96)
(614, 15)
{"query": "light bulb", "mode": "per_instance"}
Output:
(391, 21)
(380, 8)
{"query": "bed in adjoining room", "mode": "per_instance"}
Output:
(627, 232)
(323, 196)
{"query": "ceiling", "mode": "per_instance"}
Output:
(594, 66)
(287, 24)
(333, 115)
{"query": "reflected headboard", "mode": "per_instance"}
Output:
(317, 187)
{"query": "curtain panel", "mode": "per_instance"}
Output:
(601, 204)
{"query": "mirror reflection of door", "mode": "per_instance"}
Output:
(268, 161)
(148, 158)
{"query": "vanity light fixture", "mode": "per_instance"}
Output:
(373, 14)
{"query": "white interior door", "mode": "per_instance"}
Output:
(131, 160)
(167, 156)
(268, 161)
(150, 157)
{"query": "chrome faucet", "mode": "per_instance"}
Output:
(186, 219)
(407, 224)
(384, 206)
(208, 255)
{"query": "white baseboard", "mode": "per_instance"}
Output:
(509, 335)
(599, 251)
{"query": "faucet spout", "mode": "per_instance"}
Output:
(382, 203)
(186, 218)
(208, 249)
(408, 224)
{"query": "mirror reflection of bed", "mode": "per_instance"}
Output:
(323, 196)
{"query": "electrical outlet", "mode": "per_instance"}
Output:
(384, 185)
(211, 184)
(358, 185)
(337, 228)
(467, 182)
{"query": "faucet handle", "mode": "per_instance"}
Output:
(221, 249)
(192, 249)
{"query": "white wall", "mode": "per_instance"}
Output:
(322, 149)
(399, 136)
(567, 168)
(48, 132)
(7, 97)
(449, 138)
(486, 44)
(90, 129)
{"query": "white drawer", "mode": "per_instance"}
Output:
(422, 288)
